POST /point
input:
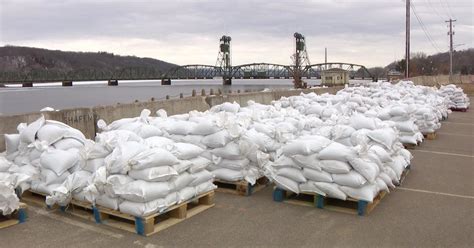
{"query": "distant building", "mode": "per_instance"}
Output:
(335, 76)
(394, 75)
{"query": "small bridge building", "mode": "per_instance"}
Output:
(335, 76)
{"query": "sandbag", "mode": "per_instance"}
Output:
(292, 173)
(154, 174)
(286, 184)
(153, 157)
(335, 166)
(336, 151)
(228, 174)
(351, 179)
(58, 161)
(331, 189)
(12, 141)
(143, 191)
(365, 193)
(368, 169)
(317, 176)
(185, 151)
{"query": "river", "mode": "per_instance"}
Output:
(18, 100)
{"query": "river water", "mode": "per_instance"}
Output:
(18, 100)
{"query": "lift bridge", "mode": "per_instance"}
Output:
(298, 71)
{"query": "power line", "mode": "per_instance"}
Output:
(434, 9)
(449, 9)
(425, 30)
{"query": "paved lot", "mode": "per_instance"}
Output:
(433, 208)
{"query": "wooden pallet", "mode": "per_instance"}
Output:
(410, 146)
(146, 225)
(430, 136)
(404, 175)
(19, 216)
(459, 109)
(35, 198)
(350, 205)
(241, 187)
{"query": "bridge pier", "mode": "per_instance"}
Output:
(28, 84)
(166, 81)
(112, 82)
(67, 83)
(227, 81)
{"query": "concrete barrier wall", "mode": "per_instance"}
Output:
(85, 119)
(466, 82)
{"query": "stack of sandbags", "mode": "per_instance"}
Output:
(458, 99)
(372, 159)
(403, 119)
(138, 176)
(9, 201)
(45, 150)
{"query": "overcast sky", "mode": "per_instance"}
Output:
(369, 32)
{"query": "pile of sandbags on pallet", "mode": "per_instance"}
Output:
(220, 133)
(9, 180)
(134, 175)
(46, 151)
(456, 96)
(367, 159)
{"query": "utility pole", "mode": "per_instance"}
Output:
(326, 58)
(451, 48)
(407, 40)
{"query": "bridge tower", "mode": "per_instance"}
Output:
(300, 60)
(224, 59)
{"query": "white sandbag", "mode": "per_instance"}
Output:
(204, 188)
(351, 179)
(308, 161)
(142, 191)
(204, 127)
(398, 165)
(331, 189)
(381, 185)
(317, 176)
(185, 151)
(228, 174)
(154, 174)
(286, 184)
(229, 151)
(186, 194)
(92, 165)
(12, 141)
(146, 131)
(359, 121)
(9, 202)
(118, 160)
(199, 164)
(68, 143)
(310, 187)
(365, 193)
(334, 166)
(381, 153)
(336, 151)
(384, 136)
(386, 178)
(182, 166)
(58, 161)
(183, 180)
(153, 157)
(116, 181)
(368, 169)
(28, 134)
(292, 173)
(201, 177)
(238, 164)
(108, 202)
(51, 133)
(284, 161)
(4, 164)
(306, 145)
(158, 142)
(50, 177)
(142, 209)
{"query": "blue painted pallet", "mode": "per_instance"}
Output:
(242, 187)
(350, 205)
(38, 199)
(17, 217)
(146, 225)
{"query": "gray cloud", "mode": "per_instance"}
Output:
(361, 31)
